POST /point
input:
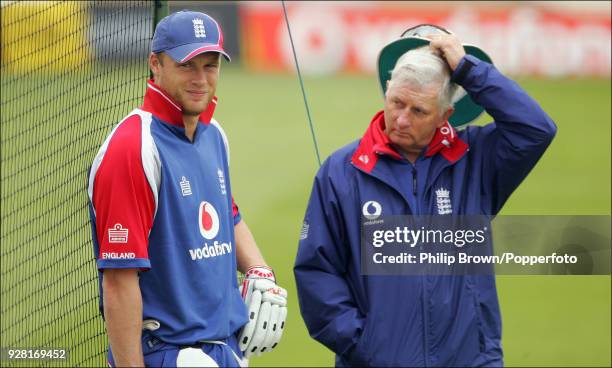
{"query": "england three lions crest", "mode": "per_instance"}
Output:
(198, 28)
(443, 202)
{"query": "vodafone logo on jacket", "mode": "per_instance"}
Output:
(371, 210)
(208, 220)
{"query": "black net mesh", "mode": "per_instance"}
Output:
(70, 72)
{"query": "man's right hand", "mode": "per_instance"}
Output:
(123, 316)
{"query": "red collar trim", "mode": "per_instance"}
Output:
(375, 143)
(446, 142)
(160, 104)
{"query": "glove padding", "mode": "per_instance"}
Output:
(267, 311)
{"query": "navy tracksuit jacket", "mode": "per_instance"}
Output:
(416, 320)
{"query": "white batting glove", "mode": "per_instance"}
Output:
(267, 309)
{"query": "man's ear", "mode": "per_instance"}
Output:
(155, 63)
(446, 116)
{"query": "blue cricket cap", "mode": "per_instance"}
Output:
(186, 34)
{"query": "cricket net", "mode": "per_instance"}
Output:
(70, 71)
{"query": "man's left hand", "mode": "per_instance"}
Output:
(267, 311)
(448, 47)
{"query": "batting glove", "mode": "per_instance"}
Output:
(267, 308)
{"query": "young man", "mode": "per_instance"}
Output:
(411, 161)
(168, 237)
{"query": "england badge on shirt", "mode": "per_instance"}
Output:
(443, 202)
(221, 181)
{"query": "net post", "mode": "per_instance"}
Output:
(160, 10)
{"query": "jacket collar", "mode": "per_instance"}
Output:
(160, 104)
(375, 143)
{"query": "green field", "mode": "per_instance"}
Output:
(50, 136)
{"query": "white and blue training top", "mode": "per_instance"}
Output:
(163, 204)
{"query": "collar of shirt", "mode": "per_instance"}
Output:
(375, 143)
(161, 105)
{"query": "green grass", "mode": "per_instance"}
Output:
(548, 320)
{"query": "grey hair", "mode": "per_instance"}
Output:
(423, 67)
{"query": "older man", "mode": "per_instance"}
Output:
(168, 238)
(408, 159)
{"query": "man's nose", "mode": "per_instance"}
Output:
(199, 77)
(403, 119)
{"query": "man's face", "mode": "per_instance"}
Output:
(192, 84)
(412, 115)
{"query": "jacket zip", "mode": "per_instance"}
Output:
(425, 321)
(414, 181)
(424, 301)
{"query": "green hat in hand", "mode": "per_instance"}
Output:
(466, 110)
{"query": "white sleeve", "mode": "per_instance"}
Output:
(224, 136)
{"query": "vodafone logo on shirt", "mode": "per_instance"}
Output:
(208, 220)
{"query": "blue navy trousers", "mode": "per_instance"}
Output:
(221, 353)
